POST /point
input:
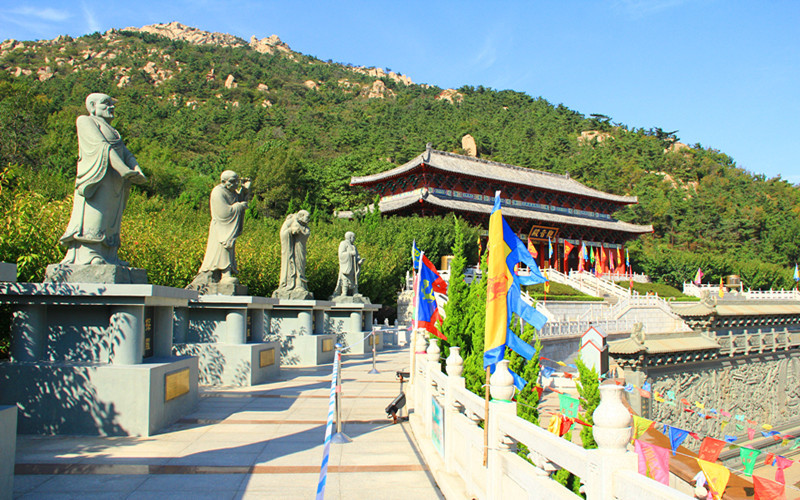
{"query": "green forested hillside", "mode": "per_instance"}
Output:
(301, 127)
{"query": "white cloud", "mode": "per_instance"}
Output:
(48, 14)
(91, 21)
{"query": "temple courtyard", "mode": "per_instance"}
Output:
(264, 441)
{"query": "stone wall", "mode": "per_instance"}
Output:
(763, 387)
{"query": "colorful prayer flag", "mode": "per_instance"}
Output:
(796, 273)
(568, 405)
(781, 463)
(748, 457)
(721, 288)
(567, 249)
(716, 477)
(532, 248)
(640, 425)
(427, 311)
(768, 490)
(676, 437)
(503, 297)
(698, 276)
(653, 461)
(710, 449)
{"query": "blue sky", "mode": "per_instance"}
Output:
(725, 74)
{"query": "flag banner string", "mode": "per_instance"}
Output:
(740, 472)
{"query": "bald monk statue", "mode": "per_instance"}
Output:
(349, 270)
(228, 202)
(106, 170)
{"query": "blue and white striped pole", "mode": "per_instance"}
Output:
(323, 473)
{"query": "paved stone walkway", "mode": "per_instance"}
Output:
(255, 442)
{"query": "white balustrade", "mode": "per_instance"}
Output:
(608, 472)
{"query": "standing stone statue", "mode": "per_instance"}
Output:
(294, 235)
(228, 202)
(106, 170)
(349, 270)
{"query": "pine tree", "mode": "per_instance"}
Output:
(455, 325)
(474, 374)
(589, 390)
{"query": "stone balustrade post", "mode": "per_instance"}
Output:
(501, 390)
(432, 365)
(455, 381)
(612, 431)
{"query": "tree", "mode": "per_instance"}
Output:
(588, 387)
(474, 373)
(455, 325)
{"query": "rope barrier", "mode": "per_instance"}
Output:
(323, 473)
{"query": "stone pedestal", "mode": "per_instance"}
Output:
(300, 326)
(353, 322)
(95, 358)
(8, 272)
(103, 273)
(228, 335)
(8, 443)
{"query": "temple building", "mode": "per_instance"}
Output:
(546, 207)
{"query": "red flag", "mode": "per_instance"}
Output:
(532, 248)
(781, 463)
(567, 249)
(710, 449)
(768, 490)
(603, 267)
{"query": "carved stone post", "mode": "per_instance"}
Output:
(612, 432)
(501, 389)
(432, 366)
(455, 367)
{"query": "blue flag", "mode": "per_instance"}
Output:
(676, 437)
(730, 439)
(428, 314)
(796, 273)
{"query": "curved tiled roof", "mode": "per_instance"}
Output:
(404, 200)
(476, 167)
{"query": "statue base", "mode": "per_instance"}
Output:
(95, 273)
(351, 299)
(296, 294)
(212, 283)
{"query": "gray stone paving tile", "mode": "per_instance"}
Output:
(26, 483)
(183, 495)
(194, 483)
(84, 483)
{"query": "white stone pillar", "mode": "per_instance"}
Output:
(612, 431)
(256, 325)
(181, 328)
(126, 335)
(236, 326)
(305, 322)
(432, 365)
(455, 381)
(162, 332)
(29, 333)
(355, 322)
(501, 389)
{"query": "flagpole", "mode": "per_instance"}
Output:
(486, 421)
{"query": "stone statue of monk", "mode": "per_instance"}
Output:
(349, 269)
(106, 169)
(294, 235)
(228, 202)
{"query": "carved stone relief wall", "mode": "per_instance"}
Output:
(764, 388)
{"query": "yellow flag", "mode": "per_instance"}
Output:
(767, 427)
(721, 288)
(702, 406)
(717, 477)
(555, 424)
(640, 426)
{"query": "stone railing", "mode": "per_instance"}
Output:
(635, 277)
(446, 420)
(772, 295)
(591, 284)
(578, 327)
(757, 342)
